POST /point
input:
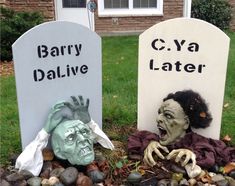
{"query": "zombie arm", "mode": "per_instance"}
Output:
(80, 112)
(80, 109)
(183, 156)
(54, 118)
(155, 147)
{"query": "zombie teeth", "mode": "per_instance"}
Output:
(85, 151)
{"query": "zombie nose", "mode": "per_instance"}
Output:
(80, 137)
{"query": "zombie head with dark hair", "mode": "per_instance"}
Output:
(178, 113)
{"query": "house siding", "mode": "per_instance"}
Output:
(107, 25)
(132, 24)
(46, 7)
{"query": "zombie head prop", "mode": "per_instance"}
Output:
(178, 113)
(72, 140)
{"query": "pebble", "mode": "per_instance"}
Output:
(192, 181)
(47, 166)
(232, 174)
(83, 180)
(53, 180)
(14, 177)
(211, 174)
(177, 176)
(45, 182)
(164, 182)
(69, 176)
(215, 168)
(4, 183)
(21, 183)
(222, 183)
(34, 181)
(184, 182)
(174, 183)
(47, 154)
(134, 177)
(230, 180)
(192, 173)
(96, 176)
(26, 174)
(56, 172)
(178, 169)
(45, 174)
(217, 177)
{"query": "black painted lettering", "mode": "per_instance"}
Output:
(151, 64)
(51, 74)
(179, 45)
(189, 67)
(193, 47)
(42, 51)
(74, 70)
(68, 70)
(38, 75)
(62, 49)
(78, 49)
(84, 69)
(177, 66)
(55, 51)
(167, 66)
(69, 49)
(200, 68)
(154, 43)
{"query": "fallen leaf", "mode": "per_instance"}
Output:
(229, 167)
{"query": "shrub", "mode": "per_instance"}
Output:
(216, 12)
(13, 25)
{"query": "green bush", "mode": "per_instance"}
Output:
(13, 25)
(217, 12)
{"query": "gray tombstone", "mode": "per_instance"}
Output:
(181, 54)
(52, 62)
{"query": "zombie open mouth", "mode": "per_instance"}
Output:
(85, 151)
(163, 132)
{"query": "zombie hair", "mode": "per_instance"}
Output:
(194, 107)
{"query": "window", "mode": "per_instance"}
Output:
(74, 3)
(130, 7)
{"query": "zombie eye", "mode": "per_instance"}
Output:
(168, 116)
(71, 137)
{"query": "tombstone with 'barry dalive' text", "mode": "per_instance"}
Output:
(54, 61)
(182, 54)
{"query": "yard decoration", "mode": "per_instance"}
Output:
(178, 113)
(73, 134)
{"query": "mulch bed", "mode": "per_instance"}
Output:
(6, 68)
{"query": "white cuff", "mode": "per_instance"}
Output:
(100, 136)
(31, 158)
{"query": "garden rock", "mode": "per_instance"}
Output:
(134, 177)
(34, 181)
(4, 183)
(184, 182)
(57, 172)
(232, 174)
(26, 174)
(83, 180)
(69, 176)
(14, 177)
(53, 180)
(192, 173)
(96, 176)
(178, 169)
(217, 178)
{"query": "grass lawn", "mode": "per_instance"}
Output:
(120, 56)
